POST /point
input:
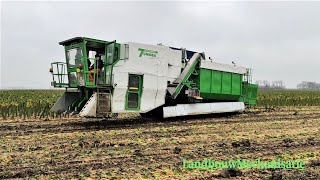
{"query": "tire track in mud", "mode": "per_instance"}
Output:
(89, 125)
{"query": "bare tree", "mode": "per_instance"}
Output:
(305, 85)
(264, 84)
(278, 85)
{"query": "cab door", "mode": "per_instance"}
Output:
(74, 56)
(108, 62)
(134, 92)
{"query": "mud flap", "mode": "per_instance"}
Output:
(65, 101)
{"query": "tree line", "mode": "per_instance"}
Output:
(305, 85)
(264, 84)
(279, 84)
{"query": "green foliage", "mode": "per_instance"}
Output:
(27, 103)
(276, 98)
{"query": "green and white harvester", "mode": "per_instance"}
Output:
(153, 80)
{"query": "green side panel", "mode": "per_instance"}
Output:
(236, 84)
(226, 83)
(205, 80)
(227, 97)
(220, 85)
(216, 82)
(252, 94)
(249, 93)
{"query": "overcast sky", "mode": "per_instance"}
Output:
(278, 40)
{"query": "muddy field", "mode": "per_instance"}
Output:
(154, 148)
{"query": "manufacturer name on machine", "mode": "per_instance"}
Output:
(147, 52)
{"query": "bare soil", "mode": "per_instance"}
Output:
(140, 148)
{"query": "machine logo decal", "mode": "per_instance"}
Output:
(147, 52)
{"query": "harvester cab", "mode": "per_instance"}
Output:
(103, 78)
(81, 62)
(82, 73)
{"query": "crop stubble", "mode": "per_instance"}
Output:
(154, 148)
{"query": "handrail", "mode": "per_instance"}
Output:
(95, 73)
(62, 71)
(61, 74)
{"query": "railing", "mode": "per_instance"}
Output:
(95, 77)
(82, 77)
(59, 74)
(248, 76)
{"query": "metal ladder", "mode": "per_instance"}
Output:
(103, 103)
